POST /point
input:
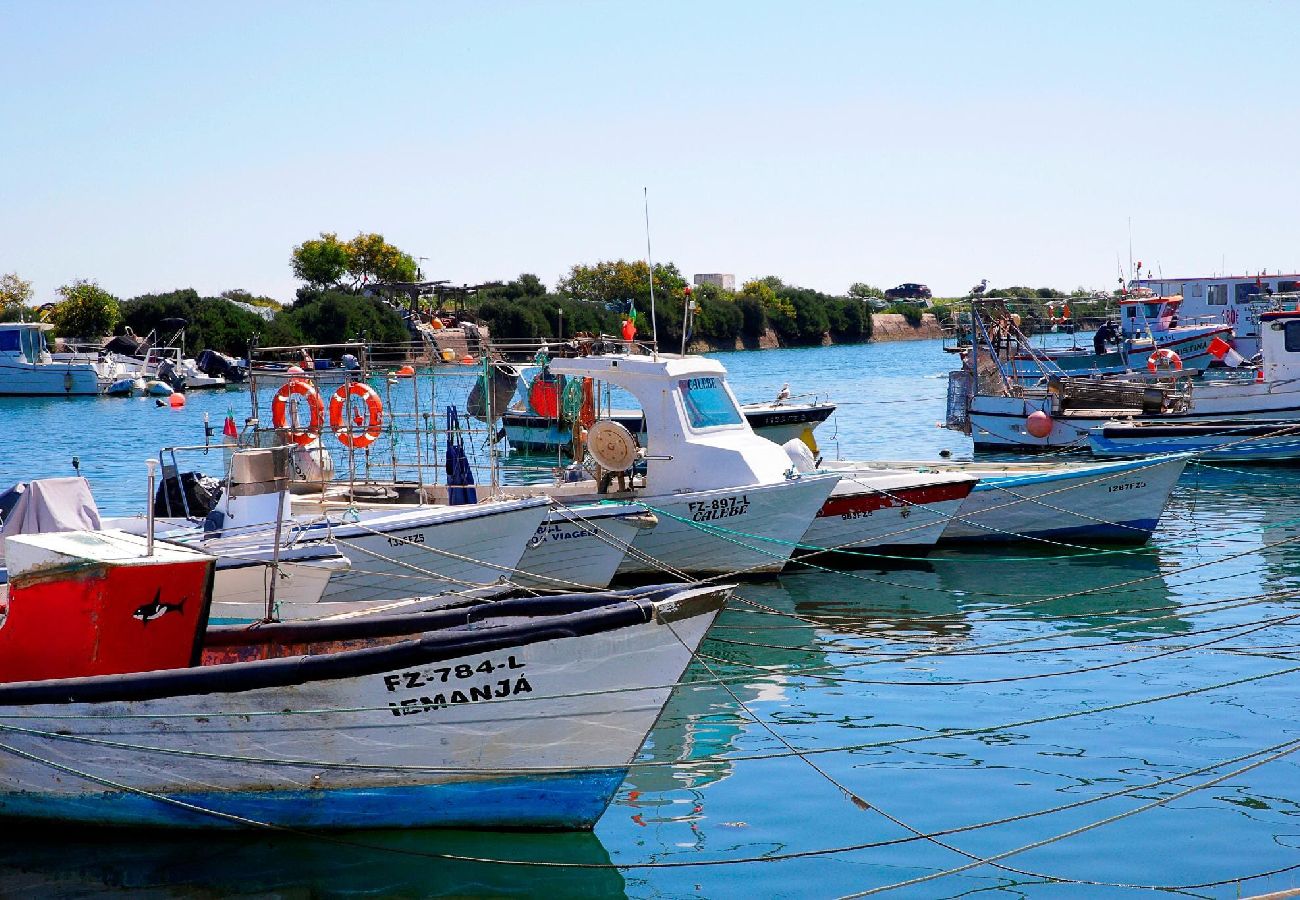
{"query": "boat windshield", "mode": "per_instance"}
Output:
(33, 345)
(707, 402)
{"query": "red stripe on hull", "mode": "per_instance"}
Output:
(869, 500)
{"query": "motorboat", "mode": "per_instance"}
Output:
(411, 721)
(1225, 440)
(28, 368)
(1119, 502)
(726, 500)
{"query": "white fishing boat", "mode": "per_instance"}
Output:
(1221, 441)
(877, 508)
(1084, 502)
(725, 499)
(523, 714)
(997, 412)
(28, 368)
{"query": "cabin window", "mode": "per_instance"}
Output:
(9, 341)
(1131, 311)
(1292, 337)
(1288, 287)
(1245, 291)
(1216, 294)
(33, 345)
(1195, 290)
(708, 403)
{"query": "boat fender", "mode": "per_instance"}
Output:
(279, 410)
(1166, 356)
(801, 457)
(374, 410)
(1039, 424)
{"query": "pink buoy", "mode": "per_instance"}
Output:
(1039, 424)
(294, 370)
(177, 400)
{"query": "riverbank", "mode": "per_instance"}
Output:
(885, 327)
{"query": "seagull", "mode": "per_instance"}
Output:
(784, 393)
(979, 288)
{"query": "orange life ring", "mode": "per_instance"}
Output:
(374, 410)
(280, 410)
(1164, 354)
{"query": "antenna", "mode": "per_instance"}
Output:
(1130, 246)
(654, 324)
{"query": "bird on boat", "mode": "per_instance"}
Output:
(783, 394)
(979, 288)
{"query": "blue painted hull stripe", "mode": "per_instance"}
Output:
(570, 802)
(1136, 530)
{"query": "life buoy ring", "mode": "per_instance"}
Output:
(374, 410)
(280, 410)
(1165, 355)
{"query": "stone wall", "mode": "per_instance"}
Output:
(893, 327)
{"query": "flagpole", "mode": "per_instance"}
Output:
(654, 324)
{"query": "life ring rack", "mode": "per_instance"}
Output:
(374, 415)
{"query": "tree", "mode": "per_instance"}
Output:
(14, 293)
(862, 291)
(320, 262)
(87, 310)
(371, 258)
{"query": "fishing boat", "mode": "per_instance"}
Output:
(999, 413)
(535, 423)
(1146, 325)
(895, 509)
(28, 368)
(523, 714)
(1117, 502)
(725, 499)
(1223, 440)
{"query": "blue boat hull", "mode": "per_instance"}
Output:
(571, 801)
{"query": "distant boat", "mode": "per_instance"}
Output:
(28, 368)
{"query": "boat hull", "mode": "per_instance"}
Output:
(1108, 502)
(857, 516)
(534, 734)
(430, 551)
(747, 530)
(1227, 442)
(578, 548)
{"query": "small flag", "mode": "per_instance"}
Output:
(1223, 352)
(229, 429)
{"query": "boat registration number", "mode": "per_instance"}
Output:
(1127, 486)
(718, 508)
(471, 682)
(415, 537)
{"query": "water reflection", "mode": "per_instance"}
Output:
(387, 864)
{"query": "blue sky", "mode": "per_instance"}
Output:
(159, 145)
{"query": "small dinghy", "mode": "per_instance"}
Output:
(520, 714)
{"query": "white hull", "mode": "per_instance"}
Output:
(520, 734)
(859, 515)
(74, 379)
(1089, 501)
(428, 550)
(239, 593)
(745, 530)
(577, 548)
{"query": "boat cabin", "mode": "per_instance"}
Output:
(1236, 300)
(699, 437)
(25, 342)
(1280, 342)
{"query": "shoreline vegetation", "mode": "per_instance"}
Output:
(346, 283)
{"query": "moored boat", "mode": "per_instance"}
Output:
(522, 714)
(1223, 440)
(1117, 502)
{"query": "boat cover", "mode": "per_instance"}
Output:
(47, 505)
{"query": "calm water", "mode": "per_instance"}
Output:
(945, 693)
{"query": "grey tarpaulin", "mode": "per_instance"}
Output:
(45, 505)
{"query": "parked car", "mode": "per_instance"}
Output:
(908, 291)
